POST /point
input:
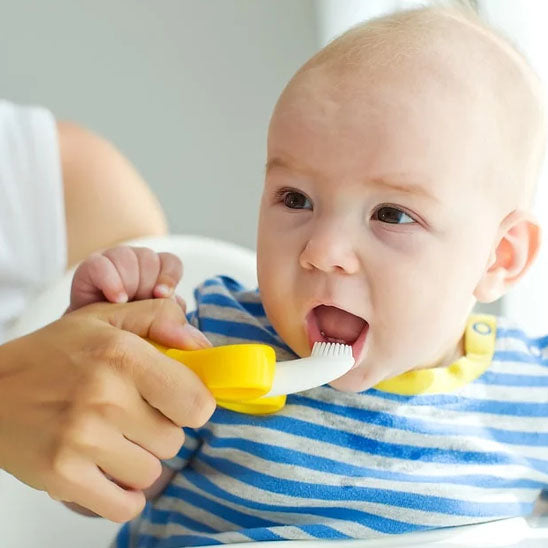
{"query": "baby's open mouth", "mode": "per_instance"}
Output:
(331, 324)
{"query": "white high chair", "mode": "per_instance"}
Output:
(29, 518)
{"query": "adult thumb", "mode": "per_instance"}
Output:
(160, 320)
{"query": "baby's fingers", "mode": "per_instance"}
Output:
(124, 258)
(171, 270)
(97, 279)
(106, 277)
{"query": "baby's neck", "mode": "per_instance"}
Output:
(449, 358)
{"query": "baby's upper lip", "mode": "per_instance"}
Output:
(315, 303)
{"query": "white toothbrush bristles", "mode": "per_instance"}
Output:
(328, 362)
(323, 349)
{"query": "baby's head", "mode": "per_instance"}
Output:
(402, 160)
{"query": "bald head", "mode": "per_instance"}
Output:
(454, 51)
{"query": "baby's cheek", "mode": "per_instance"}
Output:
(360, 378)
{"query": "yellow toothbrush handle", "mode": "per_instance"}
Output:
(237, 375)
(258, 406)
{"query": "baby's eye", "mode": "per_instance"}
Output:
(295, 200)
(392, 215)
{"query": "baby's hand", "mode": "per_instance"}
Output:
(122, 274)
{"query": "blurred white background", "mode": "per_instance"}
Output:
(185, 89)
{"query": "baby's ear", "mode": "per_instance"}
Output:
(518, 240)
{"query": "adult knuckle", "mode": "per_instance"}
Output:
(55, 487)
(95, 387)
(109, 410)
(167, 309)
(121, 513)
(81, 435)
(59, 477)
(114, 352)
(171, 443)
(182, 303)
(201, 406)
(151, 473)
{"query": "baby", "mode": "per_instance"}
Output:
(402, 161)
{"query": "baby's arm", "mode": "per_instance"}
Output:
(122, 274)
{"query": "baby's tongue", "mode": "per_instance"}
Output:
(335, 323)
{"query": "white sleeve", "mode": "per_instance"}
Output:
(33, 249)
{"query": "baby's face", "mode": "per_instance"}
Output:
(375, 226)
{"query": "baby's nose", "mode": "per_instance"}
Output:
(329, 250)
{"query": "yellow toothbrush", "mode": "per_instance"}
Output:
(247, 379)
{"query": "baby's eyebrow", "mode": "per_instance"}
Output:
(408, 187)
(276, 161)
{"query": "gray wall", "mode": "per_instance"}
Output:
(183, 87)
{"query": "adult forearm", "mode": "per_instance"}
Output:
(106, 199)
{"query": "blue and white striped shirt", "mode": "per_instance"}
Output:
(334, 465)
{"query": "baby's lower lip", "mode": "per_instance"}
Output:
(358, 345)
(315, 335)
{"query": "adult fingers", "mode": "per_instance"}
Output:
(173, 389)
(85, 484)
(138, 469)
(161, 320)
(139, 423)
(164, 383)
(181, 302)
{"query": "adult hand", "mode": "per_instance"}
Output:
(88, 408)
